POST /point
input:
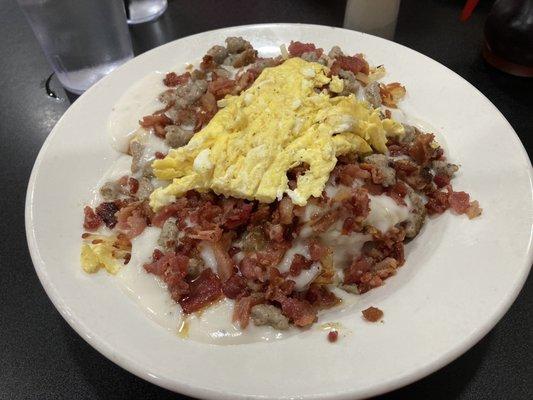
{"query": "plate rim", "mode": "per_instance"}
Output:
(125, 362)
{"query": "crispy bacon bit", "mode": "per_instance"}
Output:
(275, 232)
(225, 264)
(133, 185)
(243, 307)
(106, 211)
(358, 204)
(353, 274)
(438, 202)
(391, 94)
(235, 287)
(172, 79)
(172, 268)
(347, 174)
(153, 120)
(209, 235)
(354, 64)
(236, 213)
(91, 221)
(251, 268)
(373, 188)
(300, 312)
(474, 210)
(372, 314)
(159, 155)
(459, 202)
(333, 336)
(131, 220)
(298, 264)
(203, 291)
(321, 223)
(441, 181)
(296, 49)
(398, 192)
(168, 211)
(421, 149)
(221, 87)
(320, 297)
(317, 251)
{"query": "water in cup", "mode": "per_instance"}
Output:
(83, 40)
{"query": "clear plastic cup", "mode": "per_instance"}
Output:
(139, 11)
(83, 40)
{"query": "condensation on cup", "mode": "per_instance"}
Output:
(376, 17)
(83, 40)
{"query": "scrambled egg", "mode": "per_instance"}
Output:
(278, 123)
(101, 251)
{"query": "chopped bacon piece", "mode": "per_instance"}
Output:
(373, 188)
(159, 155)
(358, 204)
(221, 87)
(172, 268)
(133, 185)
(91, 221)
(474, 210)
(354, 64)
(296, 49)
(168, 211)
(251, 268)
(106, 211)
(172, 79)
(234, 287)
(372, 314)
(438, 202)
(317, 251)
(300, 312)
(398, 192)
(225, 264)
(236, 213)
(421, 149)
(153, 120)
(243, 307)
(320, 297)
(298, 264)
(131, 219)
(347, 174)
(459, 202)
(203, 291)
(354, 272)
(275, 232)
(333, 336)
(209, 235)
(441, 181)
(321, 223)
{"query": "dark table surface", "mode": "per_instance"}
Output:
(41, 357)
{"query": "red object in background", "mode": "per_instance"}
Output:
(508, 42)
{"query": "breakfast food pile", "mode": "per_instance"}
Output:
(273, 182)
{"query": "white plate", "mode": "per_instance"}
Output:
(460, 276)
